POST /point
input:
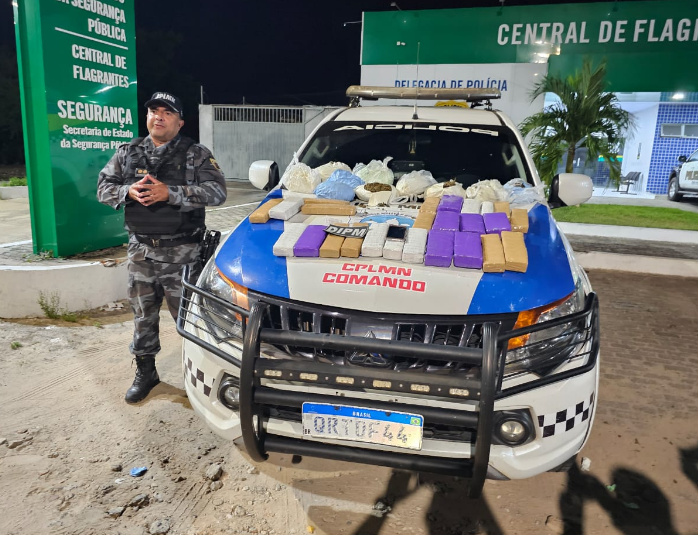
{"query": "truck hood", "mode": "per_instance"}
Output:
(380, 285)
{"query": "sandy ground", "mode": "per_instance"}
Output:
(70, 442)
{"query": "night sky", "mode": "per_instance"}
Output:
(268, 51)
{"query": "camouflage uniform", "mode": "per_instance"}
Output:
(154, 273)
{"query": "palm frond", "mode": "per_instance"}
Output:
(586, 115)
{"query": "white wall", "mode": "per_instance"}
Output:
(515, 80)
(638, 148)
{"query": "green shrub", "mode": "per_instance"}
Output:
(14, 181)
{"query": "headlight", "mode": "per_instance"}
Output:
(542, 351)
(220, 321)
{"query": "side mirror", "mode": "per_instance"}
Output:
(569, 189)
(264, 174)
(683, 159)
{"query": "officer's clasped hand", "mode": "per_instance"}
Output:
(149, 190)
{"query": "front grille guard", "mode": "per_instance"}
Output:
(482, 393)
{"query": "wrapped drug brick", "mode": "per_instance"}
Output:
(316, 208)
(286, 209)
(450, 203)
(492, 254)
(519, 219)
(487, 207)
(374, 240)
(471, 206)
(502, 206)
(331, 247)
(515, 253)
(415, 245)
(310, 241)
(261, 214)
(446, 221)
(496, 222)
(289, 237)
(439, 250)
(425, 220)
(351, 247)
(472, 223)
(430, 204)
(467, 250)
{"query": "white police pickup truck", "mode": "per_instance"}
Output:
(437, 369)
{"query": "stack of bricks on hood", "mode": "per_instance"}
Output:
(448, 230)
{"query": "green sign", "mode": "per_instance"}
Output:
(77, 66)
(650, 46)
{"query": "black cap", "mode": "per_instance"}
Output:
(168, 100)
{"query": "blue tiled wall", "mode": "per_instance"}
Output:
(666, 150)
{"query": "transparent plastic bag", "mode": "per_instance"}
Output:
(364, 193)
(327, 169)
(376, 171)
(414, 183)
(301, 178)
(521, 192)
(445, 188)
(487, 190)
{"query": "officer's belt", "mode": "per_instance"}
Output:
(159, 242)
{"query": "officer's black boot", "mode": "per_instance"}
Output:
(146, 379)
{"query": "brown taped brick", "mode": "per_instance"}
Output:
(492, 254)
(331, 247)
(515, 253)
(261, 214)
(519, 220)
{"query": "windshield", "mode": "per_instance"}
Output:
(463, 153)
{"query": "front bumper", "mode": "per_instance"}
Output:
(267, 384)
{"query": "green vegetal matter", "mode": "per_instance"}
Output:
(586, 116)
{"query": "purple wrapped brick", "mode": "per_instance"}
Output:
(472, 223)
(310, 241)
(496, 222)
(467, 250)
(450, 203)
(446, 221)
(439, 248)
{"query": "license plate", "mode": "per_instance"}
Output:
(359, 424)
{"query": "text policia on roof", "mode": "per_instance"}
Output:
(620, 31)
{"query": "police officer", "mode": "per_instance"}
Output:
(163, 181)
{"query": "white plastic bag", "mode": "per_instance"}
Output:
(301, 178)
(521, 192)
(376, 171)
(326, 170)
(365, 194)
(487, 190)
(445, 188)
(414, 183)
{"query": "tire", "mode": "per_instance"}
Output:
(673, 190)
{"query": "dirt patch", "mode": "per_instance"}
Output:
(8, 171)
(97, 317)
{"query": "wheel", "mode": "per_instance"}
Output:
(673, 191)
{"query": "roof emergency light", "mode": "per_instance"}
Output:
(421, 93)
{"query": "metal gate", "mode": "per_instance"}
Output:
(240, 135)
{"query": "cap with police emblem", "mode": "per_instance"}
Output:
(168, 100)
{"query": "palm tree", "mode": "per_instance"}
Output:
(586, 116)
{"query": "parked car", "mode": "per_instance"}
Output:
(438, 369)
(684, 178)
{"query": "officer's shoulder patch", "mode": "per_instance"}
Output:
(214, 163)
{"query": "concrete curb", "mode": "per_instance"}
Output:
(14, 192)
(78, 287)
(649, 265)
